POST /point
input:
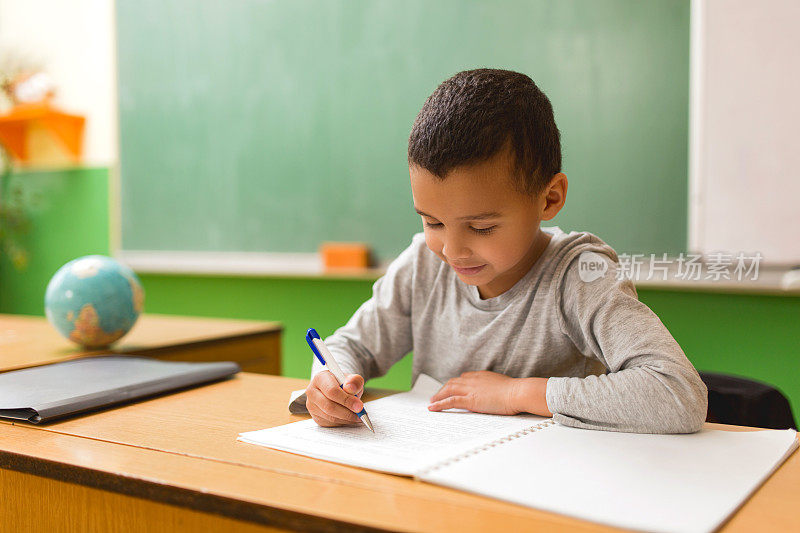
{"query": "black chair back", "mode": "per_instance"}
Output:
(745, 402)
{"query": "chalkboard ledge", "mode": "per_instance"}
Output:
(240, 264)
(770, 279)
(776, 280)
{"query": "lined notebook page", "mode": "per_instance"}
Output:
(669, 483)
(407, 438)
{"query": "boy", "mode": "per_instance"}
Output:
(496, 307)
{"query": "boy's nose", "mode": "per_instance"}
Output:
(455, 249)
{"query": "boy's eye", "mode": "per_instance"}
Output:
(483, 231)
(479, 231)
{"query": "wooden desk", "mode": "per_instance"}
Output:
(173, 463)
(31, 341)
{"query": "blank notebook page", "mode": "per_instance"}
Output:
(645, 482)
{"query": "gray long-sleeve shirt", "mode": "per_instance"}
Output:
(612, 364)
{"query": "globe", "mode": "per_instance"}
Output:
(93, 300)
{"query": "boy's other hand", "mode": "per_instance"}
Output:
(329, 405)
(492, 393)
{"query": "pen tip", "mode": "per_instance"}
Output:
(368, 423)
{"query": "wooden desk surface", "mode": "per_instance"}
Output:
(182, 450)
(31, 341)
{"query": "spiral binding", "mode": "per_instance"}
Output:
(484, 447)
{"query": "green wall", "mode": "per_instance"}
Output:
(69, 218)
(299, 303)
(747, 334)
(751, 335)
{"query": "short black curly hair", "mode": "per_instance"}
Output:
(475, 114)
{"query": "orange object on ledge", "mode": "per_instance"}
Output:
(39, 134)
(345, 255)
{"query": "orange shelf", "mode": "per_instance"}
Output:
(41, 134)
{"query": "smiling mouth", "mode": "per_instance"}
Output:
(471, 271)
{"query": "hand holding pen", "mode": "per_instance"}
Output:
(332, 398)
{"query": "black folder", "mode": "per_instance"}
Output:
(48, 392)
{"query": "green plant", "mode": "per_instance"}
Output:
(14, 221)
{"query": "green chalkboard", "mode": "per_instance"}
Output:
(270, 126)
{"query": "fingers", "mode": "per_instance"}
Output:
(441, 393)
(327, 412)
(340, 398)
(324, 380)
(453, 395)
(354, 384)
(325, 422)
(328, 385)
(453, 387)
(461, 385)
(451, 402)
(328, 404)
(331, 413)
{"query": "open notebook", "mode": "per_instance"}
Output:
(645, 482)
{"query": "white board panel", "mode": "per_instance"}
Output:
(745, 122)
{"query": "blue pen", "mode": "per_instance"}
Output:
(326, 358)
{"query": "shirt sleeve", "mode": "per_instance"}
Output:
(650, 386)
(379, 332)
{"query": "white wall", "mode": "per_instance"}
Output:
(74, 41)
(745, 128)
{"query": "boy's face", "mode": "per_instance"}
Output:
(477, 222)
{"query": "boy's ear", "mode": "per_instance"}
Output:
(554, 195)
